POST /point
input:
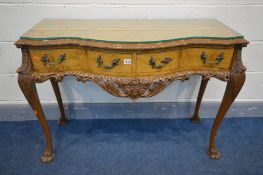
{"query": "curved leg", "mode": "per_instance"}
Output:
(233, 87)
(62, 120)
(28, 88)
(196, 118)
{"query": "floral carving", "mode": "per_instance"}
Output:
(238, 66)
(129, 86)
(26, 63)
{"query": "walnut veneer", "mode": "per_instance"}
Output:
(83, 59)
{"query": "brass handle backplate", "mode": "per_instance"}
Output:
(219, 58)
(45, 60)
(114, 63)
(164, 62)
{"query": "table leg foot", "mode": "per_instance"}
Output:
(47, 157)
(196, 119)
(234, 85)
(214, 153)
(28, 88)
(63, 121)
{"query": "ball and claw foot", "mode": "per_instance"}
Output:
(63, 121)
(214, 153)
(196, 119)
(47, 157)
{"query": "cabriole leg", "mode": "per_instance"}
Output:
(28, 88)
(62, 120)
(196, 118)
(234, 85)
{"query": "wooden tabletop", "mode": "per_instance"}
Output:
(130, 31)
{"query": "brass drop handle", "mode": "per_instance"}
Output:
(45, 60)
(114, 63)
(164, 62)
(219, 58)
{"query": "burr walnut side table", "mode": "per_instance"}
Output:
(130, 58)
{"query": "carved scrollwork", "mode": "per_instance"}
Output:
(238, 66)
(128, 86)
(237, 74)
(134, 87)
(26, 83)
(26, 65)
(25, 79)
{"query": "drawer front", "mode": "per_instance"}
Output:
(130, 64)
(56, 60)
(206, 58)
(109, 63)
(157, 63)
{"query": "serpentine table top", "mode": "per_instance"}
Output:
(131, 58)
(130, 31)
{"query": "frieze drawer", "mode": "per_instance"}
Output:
(156, 63)
(59, 59)
(110, 63)
(206, 58)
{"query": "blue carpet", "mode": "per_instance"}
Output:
(133, 147)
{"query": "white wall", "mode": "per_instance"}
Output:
(17, 16)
